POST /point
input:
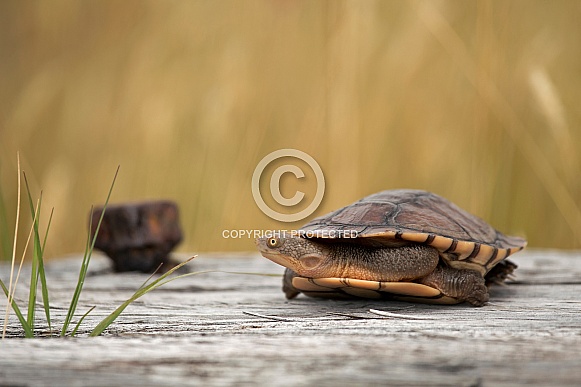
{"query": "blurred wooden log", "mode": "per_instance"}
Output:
(138, 236)
(227, 329)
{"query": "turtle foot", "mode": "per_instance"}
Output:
(464, 285)
(287, 284)
(500, 273)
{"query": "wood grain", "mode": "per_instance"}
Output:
(228, 329)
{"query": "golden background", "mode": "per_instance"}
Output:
(477, 101)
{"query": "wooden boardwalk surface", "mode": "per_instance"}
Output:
(228, 329)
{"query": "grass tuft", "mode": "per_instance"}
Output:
(38, 274)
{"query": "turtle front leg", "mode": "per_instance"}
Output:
(464, 285)
(287, 284)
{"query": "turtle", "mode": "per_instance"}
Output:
(404, 244)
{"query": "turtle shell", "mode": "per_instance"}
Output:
(399, 217)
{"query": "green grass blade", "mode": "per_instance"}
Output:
(150, 276)
(140, 292)
(44, 286)
(80, 283)
(74, 332)
(85, 262)
(36, 257)
(28, 332)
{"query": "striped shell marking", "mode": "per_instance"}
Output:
(398, 217)
(354, 288)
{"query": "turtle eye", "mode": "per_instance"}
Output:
(273, 242)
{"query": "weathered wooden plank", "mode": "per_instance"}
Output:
(226, 329)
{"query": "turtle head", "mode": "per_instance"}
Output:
(303, 256)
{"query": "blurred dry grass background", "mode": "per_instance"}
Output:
(477, 101)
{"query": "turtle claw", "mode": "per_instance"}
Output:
(479, 294)
(500, 273)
